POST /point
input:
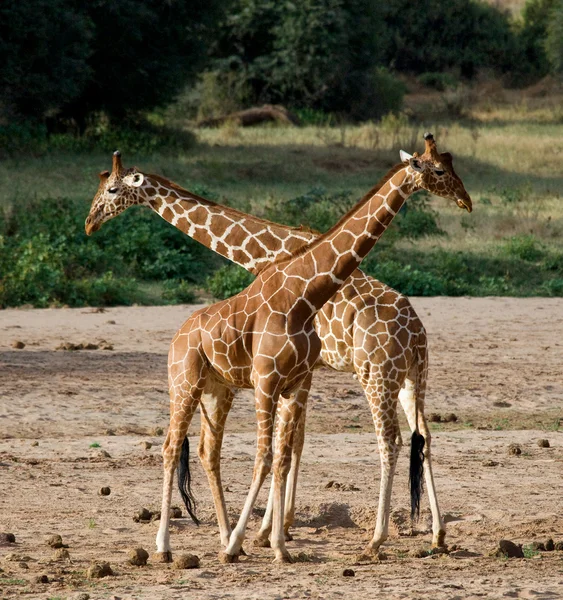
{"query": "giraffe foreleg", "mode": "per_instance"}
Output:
(184, 398)
(266, 401)
(262, 539)
(289, 419)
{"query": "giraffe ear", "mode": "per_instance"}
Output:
(134, 180)
(405, 156)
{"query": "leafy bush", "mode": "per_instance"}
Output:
(438, 81)
(178, 292)
(524, 247)
(45, 256)
(229, 281)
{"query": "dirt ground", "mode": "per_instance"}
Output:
(74, 421)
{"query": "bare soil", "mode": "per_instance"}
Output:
(72, 422)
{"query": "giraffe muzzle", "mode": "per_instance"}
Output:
(465, 203)
(90, 226)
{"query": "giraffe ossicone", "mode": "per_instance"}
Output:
(347, 246)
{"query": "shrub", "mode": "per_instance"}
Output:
(524, 247)
(178, 292)
(438, 81)
(229, 281)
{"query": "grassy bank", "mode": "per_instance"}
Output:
(510, 244)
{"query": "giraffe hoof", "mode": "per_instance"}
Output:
(440, 540)
(284, 558)
(369, 555)
(262, 543)
(162, 557)
(288, 537)
(241, 552)
(227, 559)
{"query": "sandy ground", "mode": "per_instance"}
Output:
(495, 363)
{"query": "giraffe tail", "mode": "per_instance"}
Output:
(416, 467)
(184, 481)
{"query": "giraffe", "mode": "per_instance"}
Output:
(366, 326)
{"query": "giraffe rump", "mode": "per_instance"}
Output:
(184, 481)
(416, 472)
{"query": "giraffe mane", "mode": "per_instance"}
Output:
(366, 198)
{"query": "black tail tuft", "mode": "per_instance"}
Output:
(184, 481)
(416, 472)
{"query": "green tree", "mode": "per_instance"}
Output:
(533, 33)
(554, 39)
(435, 35)
(44, 51)
(72, 58)
(314, 53)
(142, 53)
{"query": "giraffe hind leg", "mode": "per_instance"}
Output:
(413, 391)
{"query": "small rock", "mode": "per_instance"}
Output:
(514, 450)
(502, 404)
(41, 579)
(99, 570)
(105, 491)
(175, 512)
(82, 596)
(329, 485)
(543, 443)
(100, 453)
(7, 538)
(143, 515)
(18, 345)
(420, 553)
(110, 322)
(558, 546)
(550, 545)
(537, 546)
(138, 557)
(509, 549)
(155, 516)
(187, 561)
(35, 443)
(109, 432)
(434, 418)
(146, 445)
(55, 541)
(490, 463)
(158, 431)
(23, 565)
(348, 573)
(61, 554)
(162, 557)
(450, 418)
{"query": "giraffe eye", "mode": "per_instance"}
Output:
(112, 190)
(438, 172)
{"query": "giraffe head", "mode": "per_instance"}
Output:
(434, 171)
(117, 191)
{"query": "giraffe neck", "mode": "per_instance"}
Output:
(248, 241)
(321, 268)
